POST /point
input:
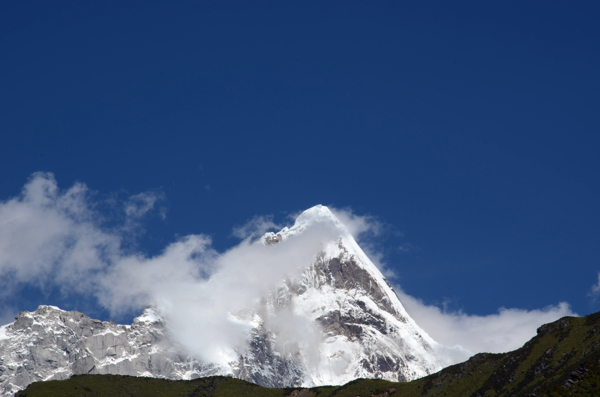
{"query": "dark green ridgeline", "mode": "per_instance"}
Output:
(563, 359)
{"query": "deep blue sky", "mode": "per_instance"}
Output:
(471, 129)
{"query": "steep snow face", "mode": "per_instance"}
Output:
(335, 321)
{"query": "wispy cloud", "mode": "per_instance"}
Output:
(358, 225)
(140, 204)
(366, 230)
(255, 227)
(595, 291)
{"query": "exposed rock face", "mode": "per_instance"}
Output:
(361, 330)
(54, 344)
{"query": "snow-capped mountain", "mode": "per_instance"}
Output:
(355, 326)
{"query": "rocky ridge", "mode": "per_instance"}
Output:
(54, 344)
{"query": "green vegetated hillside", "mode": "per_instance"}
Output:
(563, 359)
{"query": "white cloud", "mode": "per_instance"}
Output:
(48, 236)
(132, 281)
(53, 238)
(504, 331)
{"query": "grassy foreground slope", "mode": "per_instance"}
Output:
(563, 359)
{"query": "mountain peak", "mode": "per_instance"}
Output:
(318, 213)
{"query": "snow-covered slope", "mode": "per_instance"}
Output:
(350, 320)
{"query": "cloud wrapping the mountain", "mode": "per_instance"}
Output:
(52, 238)
(201, 314)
